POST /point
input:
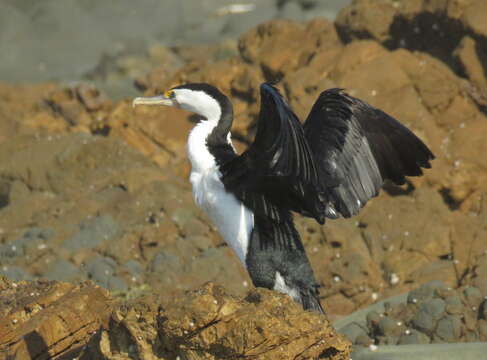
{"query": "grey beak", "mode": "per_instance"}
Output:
(153, 100)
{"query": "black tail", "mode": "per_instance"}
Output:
(311, 301)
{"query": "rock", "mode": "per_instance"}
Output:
(449, 328)
(470, 62)
(473, 296)
(389, 327)
(210, 324)
(62, 270)
(473, 17)
(424, 293)
(365, 19)
(48, 319)
(54, 320)
(102, 270)
(93, 233)
(413, 337)
(15, 273)
(434, 307)
(353, 331)
(424, 322)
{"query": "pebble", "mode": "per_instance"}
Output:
(425, 291)
(434, 307)
(102, 271)
(388, 326)
(353, 330)
(423, 321)
(134, 267)
(92, 233)
(32, 238)
(15, 273)
(474, 296)
(449, 328)
(61, 270)
(414, 337)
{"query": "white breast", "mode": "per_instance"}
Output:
(233, 220)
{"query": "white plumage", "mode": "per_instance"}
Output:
(233, 220)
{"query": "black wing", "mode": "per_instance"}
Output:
(277, 173)
(356, 147)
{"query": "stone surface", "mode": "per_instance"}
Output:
(433, 313)
(43, 320)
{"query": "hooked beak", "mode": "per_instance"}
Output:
(154, 100)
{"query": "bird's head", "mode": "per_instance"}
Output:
(200, 98)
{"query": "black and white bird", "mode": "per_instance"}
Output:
(326, 168)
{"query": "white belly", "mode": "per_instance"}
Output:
(233, 220)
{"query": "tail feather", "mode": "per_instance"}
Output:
(310, 301)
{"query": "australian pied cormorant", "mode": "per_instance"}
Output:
(328, 167)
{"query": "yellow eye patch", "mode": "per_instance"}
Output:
(169, 94)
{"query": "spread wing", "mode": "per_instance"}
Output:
(277, 173)
(356, 147)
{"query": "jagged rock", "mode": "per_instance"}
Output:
(46, 319)
(51, 320)
(209, 324)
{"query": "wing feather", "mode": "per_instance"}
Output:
(356, 147)
(276, 174)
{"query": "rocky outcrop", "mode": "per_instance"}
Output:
(51, 320)
(47, 319)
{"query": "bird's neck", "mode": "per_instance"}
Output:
(208, 137)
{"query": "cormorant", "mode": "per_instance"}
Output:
(327, 167)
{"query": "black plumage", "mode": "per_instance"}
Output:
(356, 147)
(328, 167)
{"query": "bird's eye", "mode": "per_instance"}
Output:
(169, 94)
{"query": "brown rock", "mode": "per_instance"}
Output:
(208, 324)
(470, 62)
(278, 46)
(366, 19)
(44, 320)
(474, 17)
